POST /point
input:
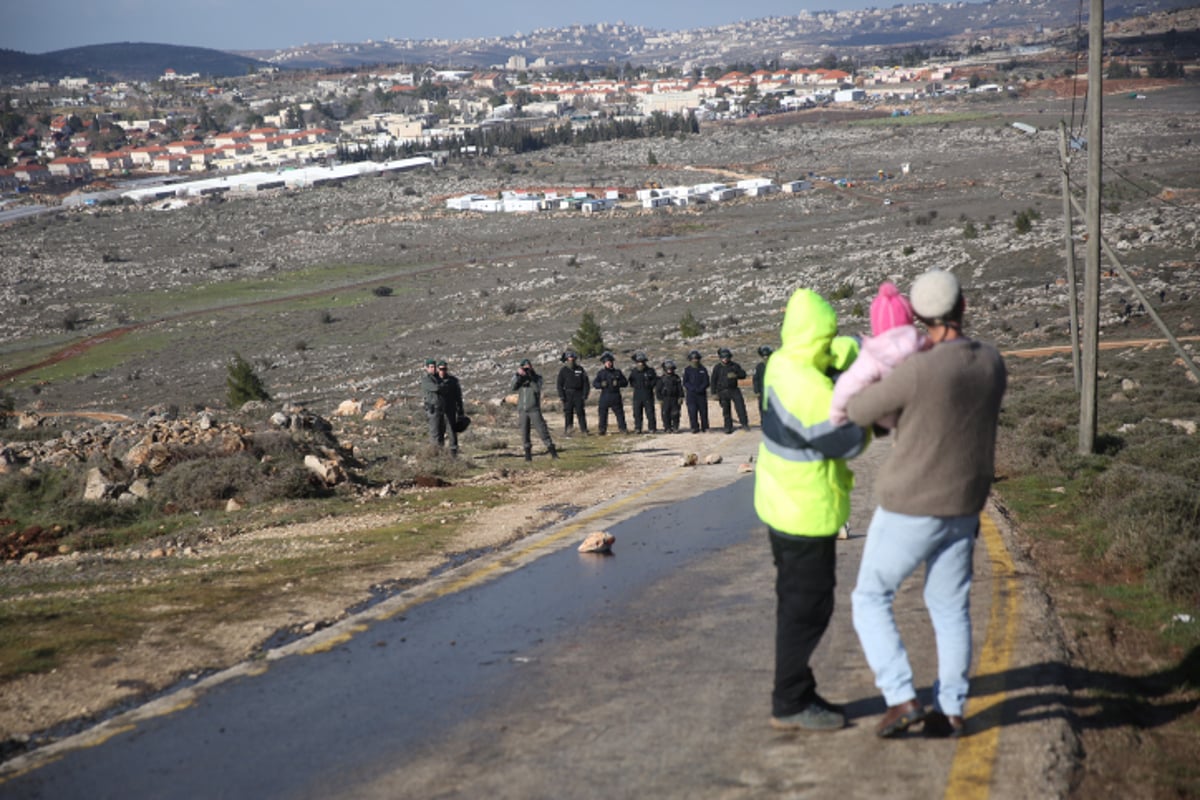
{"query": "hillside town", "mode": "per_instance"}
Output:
(233, 125)
(81, 135)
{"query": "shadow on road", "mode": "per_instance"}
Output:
(1090, 699)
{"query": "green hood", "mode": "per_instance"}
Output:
(809, 325)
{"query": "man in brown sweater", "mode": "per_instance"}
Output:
(931, 490)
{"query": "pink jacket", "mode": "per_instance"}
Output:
(877, 356)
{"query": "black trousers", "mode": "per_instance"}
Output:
(670, 413)
(697, 406)
(739, 405)
(643, 406)
(611, 400)
(805, 577)
(573, 408)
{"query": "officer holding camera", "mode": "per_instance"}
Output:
(528, 386)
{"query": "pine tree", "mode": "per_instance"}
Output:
(243, 383)
(588, 341)
(689, 327)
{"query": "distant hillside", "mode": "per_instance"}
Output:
(123, 60)
(16, 66)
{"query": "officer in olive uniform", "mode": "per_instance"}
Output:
(725, 377)
(610, 381)
(670, 396)
(443, 404)
(764, 352)
(528, 386)
(573, 389)
(695, 382)
(643, 379)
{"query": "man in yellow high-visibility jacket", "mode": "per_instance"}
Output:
(802, 493)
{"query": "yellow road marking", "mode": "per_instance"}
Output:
(975, 756)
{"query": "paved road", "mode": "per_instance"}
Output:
(20, 212)
(546, 673)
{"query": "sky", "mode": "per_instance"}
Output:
(273, 24)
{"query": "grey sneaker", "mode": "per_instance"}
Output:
(813, 717)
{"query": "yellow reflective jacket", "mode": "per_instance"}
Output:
(802, 484)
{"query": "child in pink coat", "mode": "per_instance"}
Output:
(894, 339)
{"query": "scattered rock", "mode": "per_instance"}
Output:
(713, 458)
(1188, 426)
(745, 467)
(326, 469)
(597, 542)
(98, 487)
(233, 504)
(348, 408)
(689, 460)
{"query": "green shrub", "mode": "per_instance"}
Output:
(243, 384)
(969, 230)
(1025, 219)
(689, 327)
(843, 292)
(208, 481)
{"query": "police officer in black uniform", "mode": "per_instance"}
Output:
(573, 389)
(695, 383)
(725, 377)
(670, 396)
(643, 379)
(610, 381)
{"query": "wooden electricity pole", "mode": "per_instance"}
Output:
(1091, 275)
(1069, 249)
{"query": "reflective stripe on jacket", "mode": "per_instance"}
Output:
(802, 484)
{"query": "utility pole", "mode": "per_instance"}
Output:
(1091, 275)
(1069, 247)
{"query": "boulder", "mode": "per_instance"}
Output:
(713, 458)
(689, 460)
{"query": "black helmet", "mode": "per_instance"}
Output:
(764, 350)
(724, 352)
(694, 355)
(640, 356)
(607, 356)
(668, 364)
(569, 354)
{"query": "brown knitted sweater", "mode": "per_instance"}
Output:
(948, 400)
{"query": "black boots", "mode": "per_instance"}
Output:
(553, 452)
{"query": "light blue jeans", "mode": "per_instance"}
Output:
(896, 545)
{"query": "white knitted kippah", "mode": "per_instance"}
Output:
(935, 294)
